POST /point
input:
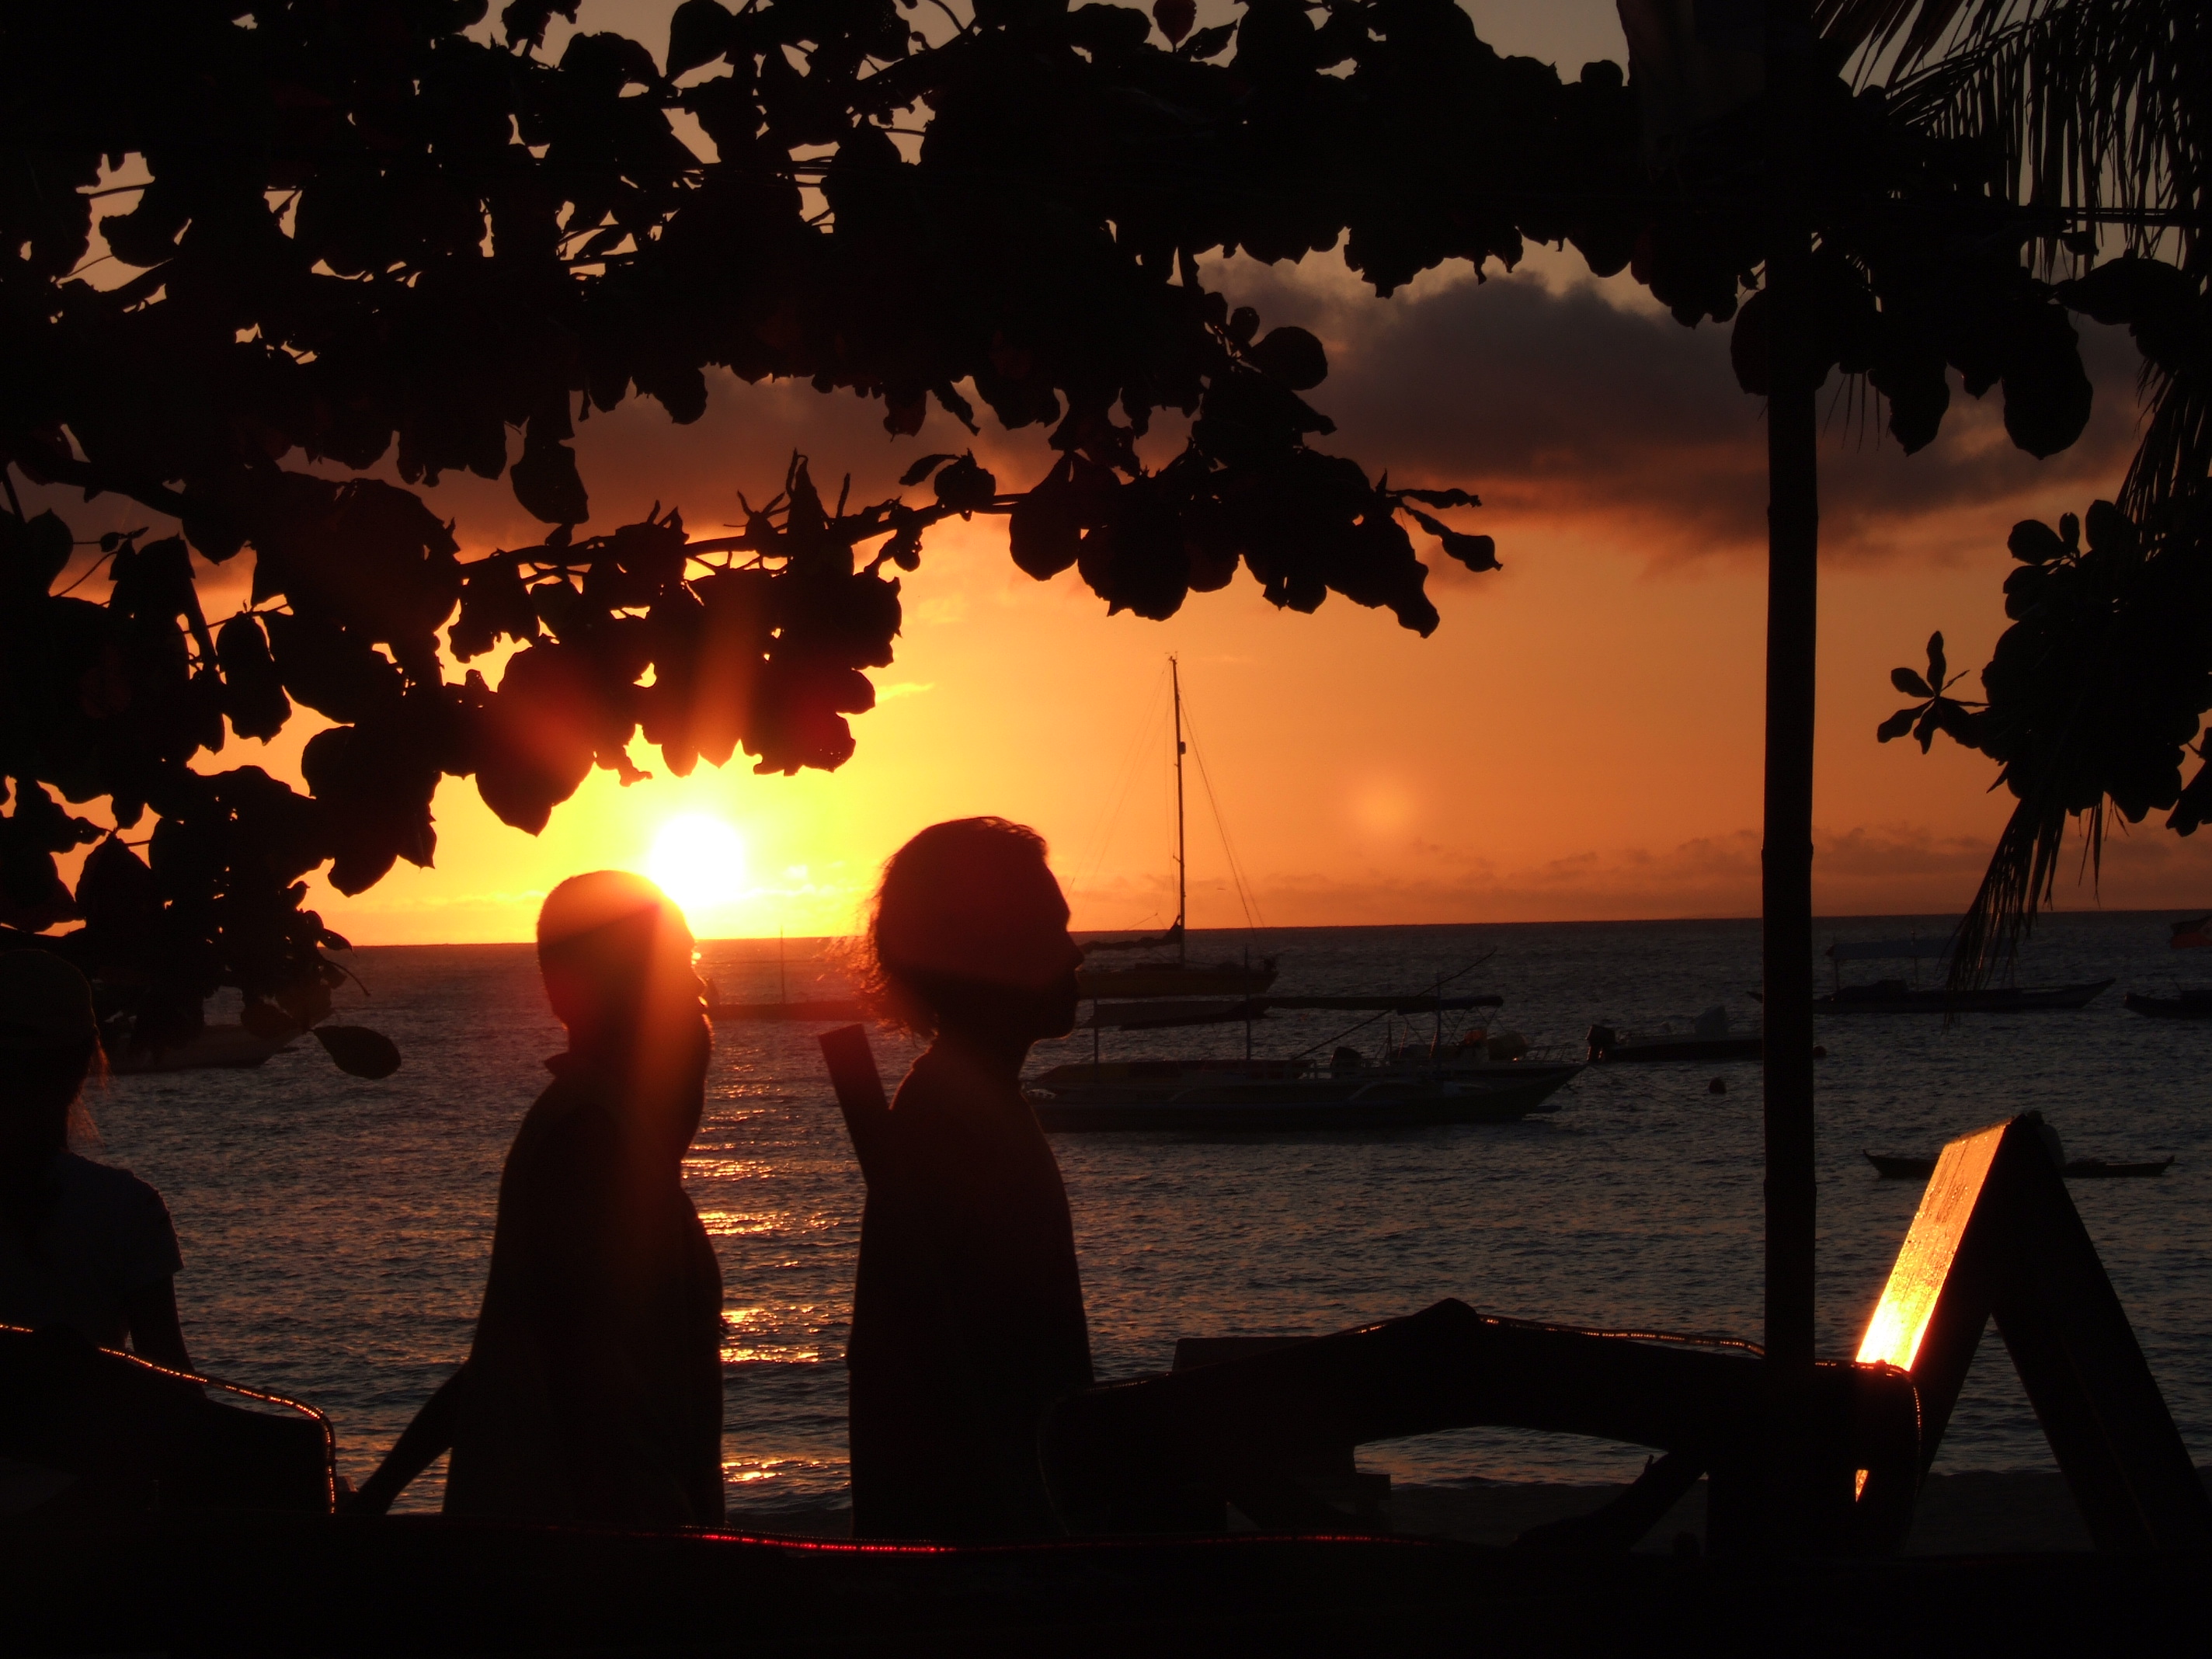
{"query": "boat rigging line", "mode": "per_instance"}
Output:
(1254, 918)
(1382, 1013)
(1088, 870)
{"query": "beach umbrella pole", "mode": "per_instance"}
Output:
(1798, 1507)
(1793, 530)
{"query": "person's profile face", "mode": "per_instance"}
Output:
(1043, 957)
(674, 1000)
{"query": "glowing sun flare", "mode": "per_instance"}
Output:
(699, 861)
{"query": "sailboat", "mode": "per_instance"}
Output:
(783, 1008)
(1173, 975)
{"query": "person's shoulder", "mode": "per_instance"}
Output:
(571, 1123)
(125, 1216)
(104, 1184)
(947, 1089)
(934, 1078)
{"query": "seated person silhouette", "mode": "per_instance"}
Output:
(968, 1318)
(593, 1392)
(82, 1245)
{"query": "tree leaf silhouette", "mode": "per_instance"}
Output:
(358, 1052)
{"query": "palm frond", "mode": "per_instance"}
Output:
(2096, 106)
(2100, 110)
(2021, 877)
(1916, 27)
(2176, 451)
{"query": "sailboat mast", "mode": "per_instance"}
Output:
(1182, 893)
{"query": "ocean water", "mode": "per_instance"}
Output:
(335, 1231)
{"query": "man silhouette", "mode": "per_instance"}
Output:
(593, 1392)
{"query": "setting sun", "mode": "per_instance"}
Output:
(699, 861)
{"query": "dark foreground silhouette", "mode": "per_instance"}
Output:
(968, 1317)
(82, 1245)
(594, 1393)
(973, 1409)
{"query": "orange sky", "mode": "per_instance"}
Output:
(1579, 740)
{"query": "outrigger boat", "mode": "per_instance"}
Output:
(1902, 997)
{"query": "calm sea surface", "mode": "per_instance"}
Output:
(335, 1231)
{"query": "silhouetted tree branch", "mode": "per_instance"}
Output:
(377, 236)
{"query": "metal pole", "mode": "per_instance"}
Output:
(1793, 518)
(1183, 895)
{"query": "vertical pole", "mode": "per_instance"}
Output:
(1182, 873)
(1793, 545)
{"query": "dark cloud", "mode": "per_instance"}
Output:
(1554, 403)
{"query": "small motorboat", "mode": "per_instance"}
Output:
(1610, 1048)
(1708, 1039)
(1893, 1168)
(2192, 1004)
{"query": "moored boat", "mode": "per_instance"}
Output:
(1897, 996)
(1213, 1095)
(2191, 1004)
(1610, 1048)
(784, 1008)
(829, 1008)
(213, 1047)
(1175, 979)
(1173, 975)
(1894, 996)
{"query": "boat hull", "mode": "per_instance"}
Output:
(795, 1011)
(217, 1047)
(1993, 999)
(1277, 1105)
(1707, 1048)
(1223, 979)
(2189, 1005)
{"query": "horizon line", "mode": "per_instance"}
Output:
(1334, 927)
